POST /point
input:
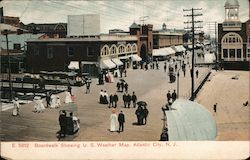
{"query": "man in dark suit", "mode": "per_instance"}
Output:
(115, 98)
(169, 96)
(121, 120)
(63, 123)
(134, 99)
(70, 90)
(174, 96)
(145, 115)
(128, 100)
(124, 97)
(111, 99)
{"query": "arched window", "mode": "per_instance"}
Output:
(113, 49)
(231, 38)
(232, 47)
(129, 48)
(105, 50)
(134, 47)
(121, 48)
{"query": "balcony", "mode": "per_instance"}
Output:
(231, 26)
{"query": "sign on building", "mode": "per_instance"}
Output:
(83, 25)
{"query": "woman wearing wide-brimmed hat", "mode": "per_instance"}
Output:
(114, 124)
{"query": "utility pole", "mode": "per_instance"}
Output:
(192, 15)
(6, 32)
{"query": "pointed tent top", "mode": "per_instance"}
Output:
(134, 25)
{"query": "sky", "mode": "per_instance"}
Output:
(120, 14)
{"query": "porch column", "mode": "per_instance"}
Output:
(242, 56)
(235, 54)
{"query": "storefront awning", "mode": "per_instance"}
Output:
(159, 52)
(117, 61)
(179, 48)
(73, 65)
(108, 64)
(163, 51)
(87, 62)
(135, 57)
(170, 50)
(183, 48)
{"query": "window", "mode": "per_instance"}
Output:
(231, 53)
(238, 53)
(50, 53)
(225, 54)
(121, 48)
(36, 51)
(105, 50)
(114, 48)
(70, 51)
(17, 46)
(90, 52)
(134, 47)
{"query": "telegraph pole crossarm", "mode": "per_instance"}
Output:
(192, 15)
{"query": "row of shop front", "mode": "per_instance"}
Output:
(164, 53)
(108, 63)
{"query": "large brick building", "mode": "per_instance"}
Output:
(144, 34)
(233, 39)
(165, 38)
(93, 54)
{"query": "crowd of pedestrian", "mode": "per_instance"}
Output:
(69, 125)
(122, 86)
(171, 97)
(141, 114)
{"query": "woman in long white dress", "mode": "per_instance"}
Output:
(67, 97)
(114, 124)
(15, 111)
(53, 101)
(36, 106)
(41, 107)
(58, 102)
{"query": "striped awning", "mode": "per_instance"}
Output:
(135, 57)
(170, 50)
(107, 63)
(117, 61)
(179, 48)
(163, 51)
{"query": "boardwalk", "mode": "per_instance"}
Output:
(232, 117)
(150, 86)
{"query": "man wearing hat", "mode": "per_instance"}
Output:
(121, 119)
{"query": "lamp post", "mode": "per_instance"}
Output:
(178, 79)
(178, 75)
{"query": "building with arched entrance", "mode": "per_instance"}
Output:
(144, 35)
(233, 39)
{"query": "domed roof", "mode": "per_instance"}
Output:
(230, 3)
(190, 121)
(134, 25)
